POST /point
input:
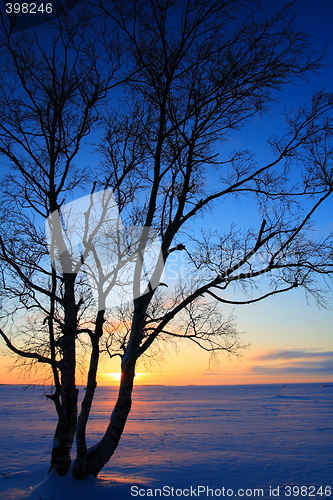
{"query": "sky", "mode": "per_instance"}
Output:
(289, 340)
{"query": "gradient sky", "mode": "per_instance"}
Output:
(289, 339)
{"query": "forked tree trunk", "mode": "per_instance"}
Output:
(99, 455)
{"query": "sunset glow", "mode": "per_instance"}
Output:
(113, 378)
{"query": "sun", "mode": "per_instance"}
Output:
(114, 377)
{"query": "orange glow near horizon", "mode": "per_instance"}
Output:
(181, 379)
(113, 378)
(259, 365)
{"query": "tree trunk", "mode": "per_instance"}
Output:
(100, 454)
(65, 433)
(80, 463)
(67, 409)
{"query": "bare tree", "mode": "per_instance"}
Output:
(188, 73)
(49, 105)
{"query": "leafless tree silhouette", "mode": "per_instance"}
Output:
(165, 82)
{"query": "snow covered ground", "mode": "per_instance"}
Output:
(181, 442)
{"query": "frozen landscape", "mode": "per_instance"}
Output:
(195, 441)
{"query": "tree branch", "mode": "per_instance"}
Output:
(25, 354)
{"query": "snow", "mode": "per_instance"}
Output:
(181, 442)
